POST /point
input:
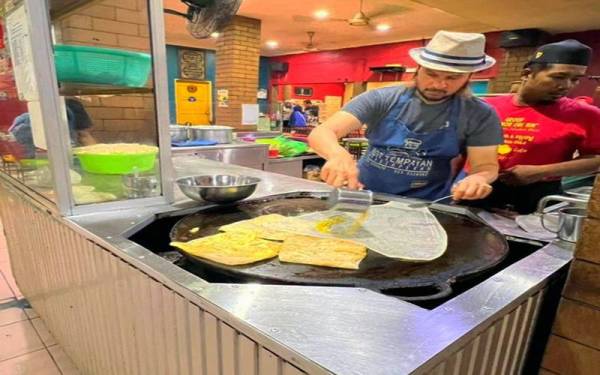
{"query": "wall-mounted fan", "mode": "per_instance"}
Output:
(360, 18)
(204, 17)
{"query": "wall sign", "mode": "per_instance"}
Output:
(191, 64)
(261, 94)
(223, 98)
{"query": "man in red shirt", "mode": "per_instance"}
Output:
(546, 135)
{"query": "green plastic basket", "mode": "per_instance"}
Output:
(117, 163)
(107, 66)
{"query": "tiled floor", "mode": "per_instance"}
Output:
(26, 345)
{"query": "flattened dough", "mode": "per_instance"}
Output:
(264, 226)
(393, 229)
(234, 248)
(328, 252)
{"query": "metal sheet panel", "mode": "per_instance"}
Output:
(229, 345)
(499, 349)
(248, 356)
(268, 363)
(110, 317)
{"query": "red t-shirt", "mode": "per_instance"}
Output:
(546, 134)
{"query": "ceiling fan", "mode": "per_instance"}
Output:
(310, 46)
(360, 18)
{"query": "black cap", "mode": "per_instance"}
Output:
(568, 51)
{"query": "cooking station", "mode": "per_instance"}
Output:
(473, 249)
(381, 319)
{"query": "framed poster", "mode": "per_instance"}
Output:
(191, 64)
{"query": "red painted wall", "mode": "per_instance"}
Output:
(320, 91)
(352, 64)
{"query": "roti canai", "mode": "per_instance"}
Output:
(328, 252)
(269, 227)
(231, 248)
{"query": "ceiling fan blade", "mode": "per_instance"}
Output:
(299, 18)
(388, 10)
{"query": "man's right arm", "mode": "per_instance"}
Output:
(340, 168)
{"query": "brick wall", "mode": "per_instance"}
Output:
(238, 54)
(510, 67)
(574, 346)
(119, 24)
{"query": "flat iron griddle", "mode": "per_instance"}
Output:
(473, 248)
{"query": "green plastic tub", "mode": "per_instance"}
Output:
(117, 163)
(106, 66)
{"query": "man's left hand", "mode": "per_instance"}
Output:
(522, 175)
(471, 188)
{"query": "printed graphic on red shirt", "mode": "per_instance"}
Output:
(518, 134)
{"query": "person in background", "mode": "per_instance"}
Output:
(79, 128)
(286, 113)
(297, 117)
(546, 135)
(415, 133)
(310, 109)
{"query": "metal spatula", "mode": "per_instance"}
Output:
(427, 204)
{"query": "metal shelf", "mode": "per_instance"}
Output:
(72, 89)
(61, 8)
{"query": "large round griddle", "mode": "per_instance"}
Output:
(473, 247)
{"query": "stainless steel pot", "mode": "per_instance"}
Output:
(179, 133)
(570, 223)
(217, 133)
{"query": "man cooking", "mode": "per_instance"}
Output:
(416, 132)
(546, 135)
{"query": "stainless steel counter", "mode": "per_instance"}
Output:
(348, 330)
(246, 154)
(292, 166)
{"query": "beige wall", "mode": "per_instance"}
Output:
(116, 24)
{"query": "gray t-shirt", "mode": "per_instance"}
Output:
(478, 125)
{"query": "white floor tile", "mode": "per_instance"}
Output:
(17, 339)
(35, 363)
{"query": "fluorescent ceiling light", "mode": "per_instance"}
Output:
(321, 14)
(383, 27)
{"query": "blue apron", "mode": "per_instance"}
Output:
(403, 162)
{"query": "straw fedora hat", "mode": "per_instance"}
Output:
(454, 52)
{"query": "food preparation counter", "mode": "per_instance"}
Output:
(142, 313)
(292, 166)
(246, 154)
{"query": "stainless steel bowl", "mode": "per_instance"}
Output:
(218, 188)
(179, 133)
(216, 133)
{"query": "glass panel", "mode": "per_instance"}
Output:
(104, 69)
(23, 148)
